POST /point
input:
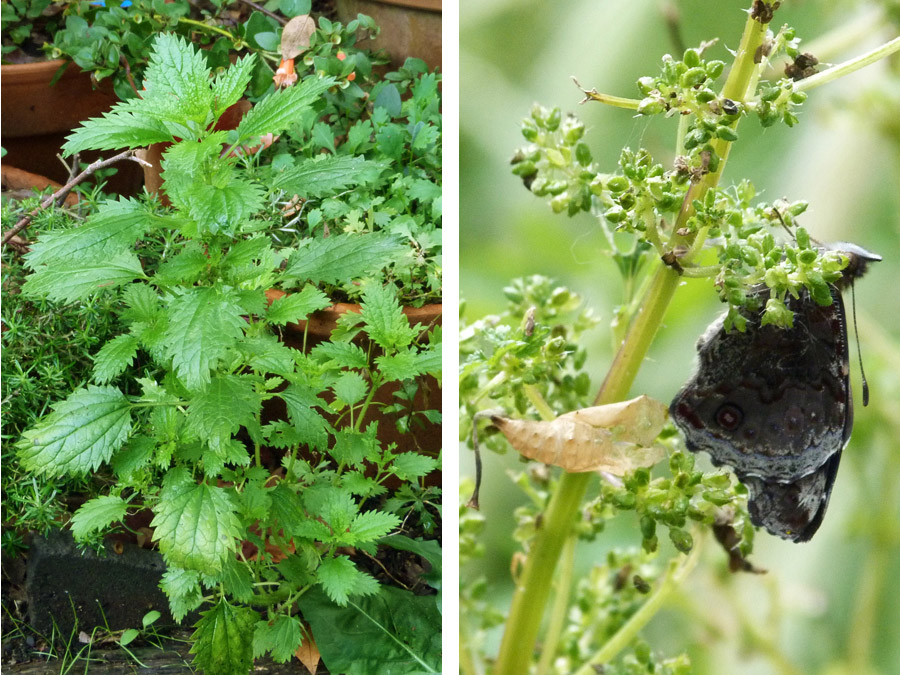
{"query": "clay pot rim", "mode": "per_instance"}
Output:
(426, 5)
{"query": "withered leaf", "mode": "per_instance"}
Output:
(295, 36)
(615, 438)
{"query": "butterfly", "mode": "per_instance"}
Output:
(775, 405)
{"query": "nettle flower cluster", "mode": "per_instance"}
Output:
(741, 244)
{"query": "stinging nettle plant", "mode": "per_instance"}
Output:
(247, 539)
(663, 224)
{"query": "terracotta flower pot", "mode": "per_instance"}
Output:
(408, 27)
(36, 117)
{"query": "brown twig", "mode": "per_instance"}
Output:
(128, 75)
(259, 8)
(60, 194)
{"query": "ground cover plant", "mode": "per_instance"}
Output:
(664, 223)
(256, 516)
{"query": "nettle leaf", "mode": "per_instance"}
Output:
(142, 303)
(116, 130)
(350, 447)
(340, 579)
(333, 506)
(265, 354)
(394, 632)
(195, 523)
(372, 525)
(274, 113)
(295, 307)
(116, 225)
(80, 278)
(424, 190)
(179, 75)
(343, 257)
(343, 354)
(230, 84)
(203, 324)
(282, 637)
(223, 208)
(221, 408)
(350, 387)
(223, 641)
(326, 175)
(286, 508)
(411, 465)
(310, 425)
(134, 456)
(96, 514)
(186, 267)
(81, 433)
(114, 357)
(386, 323)
(183, 590)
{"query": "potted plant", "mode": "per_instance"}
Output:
(192, 443)
(409, 28)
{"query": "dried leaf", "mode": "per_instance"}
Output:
(615, 438)
(307, 653)
(295, 36)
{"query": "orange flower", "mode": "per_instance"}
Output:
(285, 75)
(341, 56)
(351, 77)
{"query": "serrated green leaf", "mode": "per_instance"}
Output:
(142, 302)
(340, 579)
(80, 278)
(265, 354)
(223, 641)
(203, 324)
(183, 590)
(394, 632)
(96, 514)
(185, 267)
(114, 357)
(295, 307)
(81, 433)
(326, 175)
(412, 465)
(136, 454)
(230, 84)
(223, 208)
(296, 570)
(195, 523)
(342, 258)
(116, 130)
(310, 425)
(286, 508)
(274, 113)
(386, 323)
(343, 354)
(350, 447)
(350, 387)
(221, 408)
(116, 225)
(237, 580)
(372, 525)
(179, 78)
(282, 637)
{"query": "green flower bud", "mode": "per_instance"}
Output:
(597, 186)
(726, 133)
(798, 97)
(693, 77)
(682, 539)
(646, 85)
(714, 69)
(691, 58)
(583, 154)
(572, 130)
(650, 106)
(617, 184)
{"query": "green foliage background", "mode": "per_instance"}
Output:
(826, 606)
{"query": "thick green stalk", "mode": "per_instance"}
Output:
(534, 585)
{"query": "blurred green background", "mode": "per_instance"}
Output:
(829, 606)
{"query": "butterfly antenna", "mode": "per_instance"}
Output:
(865, 384)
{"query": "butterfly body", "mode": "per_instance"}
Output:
(775, 405)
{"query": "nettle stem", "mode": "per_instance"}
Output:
(535, 583)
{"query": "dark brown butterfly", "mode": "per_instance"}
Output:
(775, 405)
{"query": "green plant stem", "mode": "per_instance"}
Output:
(535, 583)
(850, 66)
(560, 607)
(214, 29)
(679, 569)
